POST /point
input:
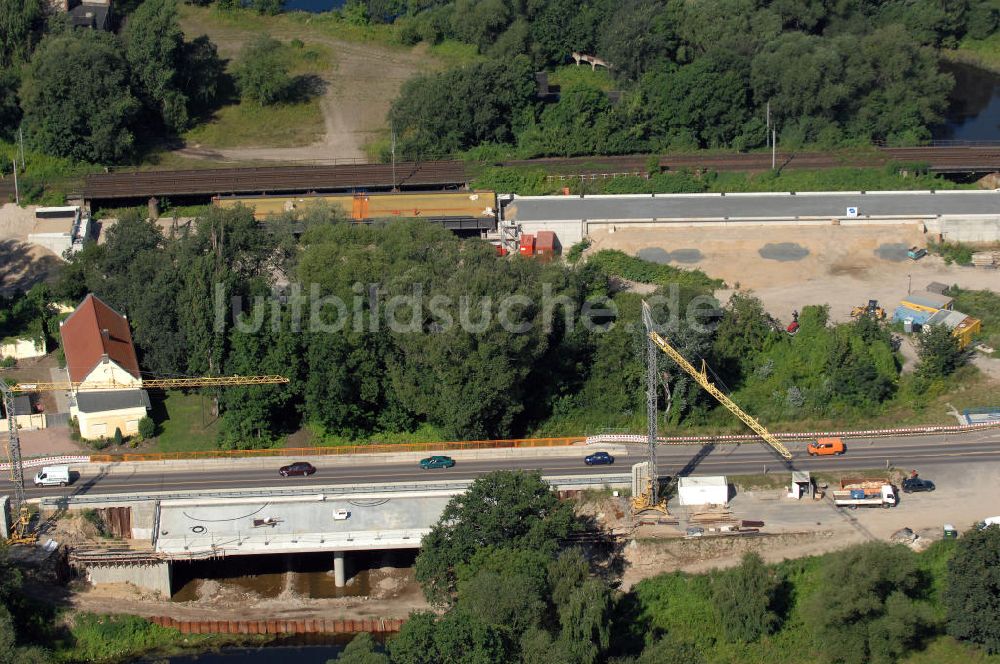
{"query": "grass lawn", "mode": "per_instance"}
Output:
(184, 422)
(569, 76)
(244, 125)
(981, 52)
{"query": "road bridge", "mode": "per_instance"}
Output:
(956, 215)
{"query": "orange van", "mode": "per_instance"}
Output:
(826, 447)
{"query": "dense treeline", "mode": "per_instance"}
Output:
(513, 590)
(389, 329)
(692, 74)
(96, 96)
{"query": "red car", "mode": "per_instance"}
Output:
(298, 468)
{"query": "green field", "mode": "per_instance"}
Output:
(184, 422)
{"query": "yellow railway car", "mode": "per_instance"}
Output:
(455, 209)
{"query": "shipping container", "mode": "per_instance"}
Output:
(527, 244)
(545, 242)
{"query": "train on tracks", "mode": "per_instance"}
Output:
(455, 210)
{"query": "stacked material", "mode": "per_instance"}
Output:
(986, 259)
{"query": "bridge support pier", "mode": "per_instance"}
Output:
(339, 577)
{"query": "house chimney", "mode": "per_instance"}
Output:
(105, 335)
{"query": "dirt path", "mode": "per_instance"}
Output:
(360, 86)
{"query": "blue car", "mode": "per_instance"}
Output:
(599, 459)
(437, 462)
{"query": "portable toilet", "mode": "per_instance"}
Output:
(950, 532)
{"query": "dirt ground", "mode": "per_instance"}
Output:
(394, 594)
(788, 267)
(965, 494)
(22, 265)
(360, 86)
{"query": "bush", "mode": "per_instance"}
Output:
(972, 597)
(576, 251)
(147, 428)
(952, 252)
(619, 264)
(92, 517)
(261, 72)
(119, 439)
(8, 362)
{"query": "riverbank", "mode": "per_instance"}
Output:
(983, 53)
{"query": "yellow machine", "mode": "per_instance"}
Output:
(21, 529)
(872, 309)
(649, 499)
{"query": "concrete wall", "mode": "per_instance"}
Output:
(22, 349)
(956, 229)
(154, 577)
(104, 423)
(974, 228)
(57, 243)
(32, 421)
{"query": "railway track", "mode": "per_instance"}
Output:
(273, 179)
(436, 174)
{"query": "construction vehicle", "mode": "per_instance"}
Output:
(916, 253)
(872, 310)
(648, 499)
(20, 532)
(865, 493)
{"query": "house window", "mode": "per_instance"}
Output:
(99, 429)
(132, 426)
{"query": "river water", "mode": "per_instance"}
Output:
(314, 6)
(974, 105)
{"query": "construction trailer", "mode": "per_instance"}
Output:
(707, 490)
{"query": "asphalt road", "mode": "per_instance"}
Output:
(747, 458)
(693, 206)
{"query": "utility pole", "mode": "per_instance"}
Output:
(767, 134)
(393, 130)
(17, 195)
(20, 132)
(774, 148)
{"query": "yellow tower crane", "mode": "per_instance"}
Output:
(649, 498)
(20, 532)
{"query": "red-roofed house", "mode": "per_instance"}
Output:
(98, 346)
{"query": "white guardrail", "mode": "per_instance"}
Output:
(48, 461)
(604, 439)
(806, 435)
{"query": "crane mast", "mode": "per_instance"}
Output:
(21, 531)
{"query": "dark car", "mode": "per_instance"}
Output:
(915, 484)
(599, 459)
(437, 462)
(297, 468)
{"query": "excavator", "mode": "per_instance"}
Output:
(649, 498)
(872, 310)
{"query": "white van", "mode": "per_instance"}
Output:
(992, 521)
(53, 476)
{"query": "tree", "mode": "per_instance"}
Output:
(745, 597)
(361, 650)
(870, 601)
(504, 509)
(118, 439)
(201, 74)
(147, 428)
(10, 110)
(76, 98)
(939, 353)
(261, 72)
(415, 642)
(19, 23)
(972, 593)
(268, 7)
(437, 114)
(154, 48)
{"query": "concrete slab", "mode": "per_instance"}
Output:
(244, 527)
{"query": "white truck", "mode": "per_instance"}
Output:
(865, 493)
(52, 476)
